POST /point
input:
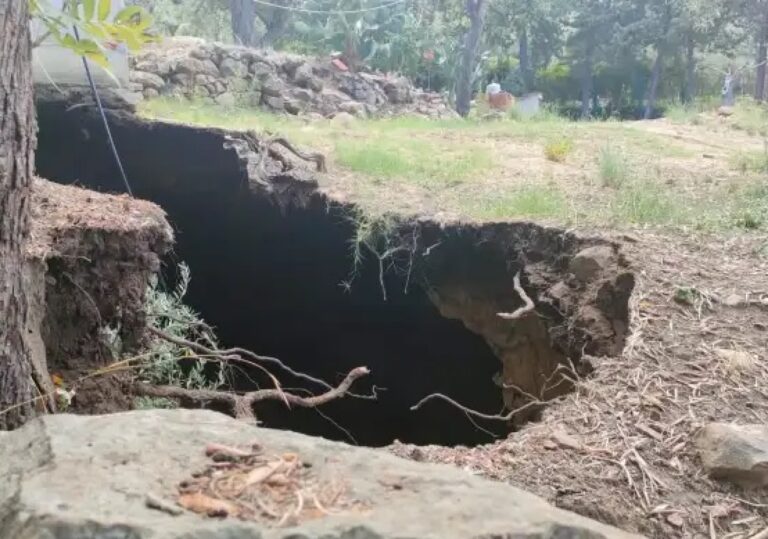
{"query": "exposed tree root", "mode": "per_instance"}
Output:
(527, 307)
(242, 405)
(262, 145)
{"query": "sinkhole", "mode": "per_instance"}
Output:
(274, 278)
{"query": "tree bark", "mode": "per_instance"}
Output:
(525, 60)
(275, 22)
(476, 10)
(689, 91)
(762, 56)
(653, 84)
(586, 77)
(17, 146)
(243, 15)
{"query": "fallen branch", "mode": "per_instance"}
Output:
(469, 411)
(235, 355)
(262, 146)
(528, 302)
(242, 405)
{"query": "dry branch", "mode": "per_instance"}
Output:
(469, 411)
(242, 405)
(528, 303)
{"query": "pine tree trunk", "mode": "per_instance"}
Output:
(689, 92)
(243, 14)
(525, 60)
(653, 84)
(476, 10)
(17, 146)
(586, 78)
(762, 57)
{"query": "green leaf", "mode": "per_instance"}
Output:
(105, 6)
(89, 8)
(125, 15)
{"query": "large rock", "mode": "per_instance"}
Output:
(147, 80)
(735, 453)
(89, 477)
(589, 263)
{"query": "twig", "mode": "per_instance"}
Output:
(242, 405)
(493, 417)
(235, 355)
(525, 309)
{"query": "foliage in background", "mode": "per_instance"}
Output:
(96, 27)
(165, 363)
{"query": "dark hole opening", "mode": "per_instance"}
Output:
(270, 281)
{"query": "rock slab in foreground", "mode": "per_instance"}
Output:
(72, 476)
(735, 453)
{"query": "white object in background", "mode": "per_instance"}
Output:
(53, 63)
(529, 104)
(492, 89)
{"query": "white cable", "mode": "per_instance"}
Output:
(321, 12)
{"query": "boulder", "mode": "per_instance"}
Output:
(589, 263)
(303, 95)
(292, 107)
(232, 68)
(304, 77)
(147, 80)
(226, 99)
(261, 69)
(194, 66)
(273, 86)
(101, 477)
(274, 103)
(735, 453)
(353, 107)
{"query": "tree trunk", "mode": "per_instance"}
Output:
(653, 84)
(689, 92)
(762, 57)
(525, 60)
(586, 78)
(17, 146)
(275, 21)
(476, 10)
(243, 14)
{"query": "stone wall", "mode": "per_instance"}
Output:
(237, 76)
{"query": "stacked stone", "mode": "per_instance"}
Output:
(229, 75)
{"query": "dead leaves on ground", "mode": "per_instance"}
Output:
(278, 490)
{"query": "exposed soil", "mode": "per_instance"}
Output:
(616, 445)
(272, 270)
(91, 257)
(619, 448)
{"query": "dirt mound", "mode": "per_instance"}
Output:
(91, 257)
(279, 82)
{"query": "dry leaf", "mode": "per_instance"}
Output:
(206, 505)
(566, 440)
(257, 475)
(676, 520)
(737, 360)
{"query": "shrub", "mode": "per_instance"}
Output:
(557, 150)
(613, 166)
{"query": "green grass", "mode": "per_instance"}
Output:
(754, 161)
(618, 173)
(416, 161)
(612, 166)
(540, 201)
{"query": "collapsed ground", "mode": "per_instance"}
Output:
(618, 448)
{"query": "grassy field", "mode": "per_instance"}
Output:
(692, 170)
